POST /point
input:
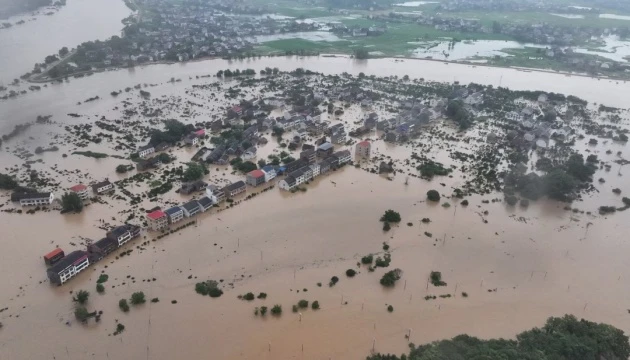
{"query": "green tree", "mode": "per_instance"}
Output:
(82, 297)
(276, 310)
(194, 171)
(121, 169)
(71, 202)
(315, 305)
(7, 182)
(100, 288)
(123, 305)
(559, 185)
(361, 53)
(63, 51)
(137, 298)
(389, 278)
(81, 313)
(433, 195)
(391, 216)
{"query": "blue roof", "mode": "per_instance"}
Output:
(268, 168)
(172, 211)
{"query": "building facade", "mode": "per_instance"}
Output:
(255, 177)
(80, 190)
(102, 187)
(68, 267)
(157, 220)
(363, 149)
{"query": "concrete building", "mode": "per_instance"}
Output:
(145, 151)
(33, 199)
(102, 187)
(270, 173)
(174, 214)
(191, 208)
(68, 267)
(80, 190)
(54, 256)
(234, 189)
(363, 149)
(157, 220)
(255, 177)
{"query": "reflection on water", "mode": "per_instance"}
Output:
(614, 16)
(570, 16)
(466, 49)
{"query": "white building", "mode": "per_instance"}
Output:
(35, 199)
(145, 151)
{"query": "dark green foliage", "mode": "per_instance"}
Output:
(123, 305)
(576, 167)
(137, 298)
(367, 259)
(350, 273)
(436, 278)
(464, 294)
(560, 339)
(458, 113)
(100, 288)
(82, 297)
(391, 216)
(384, 261)
(315, 305)
(119, 328)
(165, 158)
(161, 189)
(559, 185)
(333, 280)
(389, 278)
(544, 164)
(102, 278)
(262, 295)
(249, 296)
(7, 182)
(511, 200)
(121, 169)
(390, 308)
(276, 310)
(464, 203)
(71, 202)
(155, 300)
(294, 308)
(245, 166)
(430, 168)
(385, 246)
(303, 304)
(209, 287)
(263, 310)
(433, 195)
(194, 171)
(386, 226)
(361, 53)
(173, 133)
(81, 313)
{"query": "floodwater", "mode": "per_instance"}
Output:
(614, 16)
(77, 22)
(519, 268)
(613, 48)
(570, 16)
(467, 49)
(306, 35)
(416, 3)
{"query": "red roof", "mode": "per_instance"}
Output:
(364, 143)
(256, 173)
(53, 253)
(156, 214)
(236, 108)
(201, 132)
(77, 188)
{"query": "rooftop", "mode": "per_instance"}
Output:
(256, 173)
(325, 146)
(172, 211)
(156, 214)
(77, 188)
(68, 260)
(236, 185)
(53, 253)
(191, 205)
(205, 201)
(364, 143)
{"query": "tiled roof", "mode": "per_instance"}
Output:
(68, 260)
(77, 188)
(53, 253)
(256, 173)
(156, 214)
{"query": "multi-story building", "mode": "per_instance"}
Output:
(68, 267)
(234, 189)
(363, 149)
(33, 199)
(80, 190)
(102, 187)
(146, 150)
(255, 177)
(175, 214)
(157, 220)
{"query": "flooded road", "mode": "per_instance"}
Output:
(518, 266)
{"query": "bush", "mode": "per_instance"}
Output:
(263, 310)
(367, 259)
(384, 261)
(426, 220)
(303, 304)
(81, 313)
(391, 216)
(249, 296)
(511, 200)
(390, 308)
(154, 300)
(262, 295)
(294, 308)
(82, 297)
(102, 278)
(71, 202)
(209, 287)
(276, 310)
(464, 294)
(137, 298)
(389, 278)
(215, 292)
(100, 288)
(385, 246)
(386, 226)
(333, 280)
(350, 273)
(464, 203)
(436, 278)
(119, 328)
(433, 195)
(122, 304)
(315, 305)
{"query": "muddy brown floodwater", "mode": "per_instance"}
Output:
(519, 268)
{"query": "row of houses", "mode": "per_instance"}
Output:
(47, 198)
(161, 219)
(64, 267)
(307, 172)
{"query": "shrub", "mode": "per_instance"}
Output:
(426, 220)
(102, 278)
(464, 203)
(276, 310)
(201, 288)
(315, 305)
(436, 278)
(389, 278)
(294, 308)
(82, 297)
(303, 304)
(154, 300)
(81, 313)
(262, 295)
(367, 259)
(137, 298)
(511, 200)
(390, 308)
(385, 246)
(524, 203)
(122, 304)
(391, 216)
(386, 226)
(350, 273)
(215, 292)
(120, 328)
(333, 280)
(249, 296)
(263, 310)
(433, 195)
(209, 287)
(100, 288)
(464, 294)
(256, 311)
(384, 261)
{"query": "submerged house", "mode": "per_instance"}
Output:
(68, 267)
